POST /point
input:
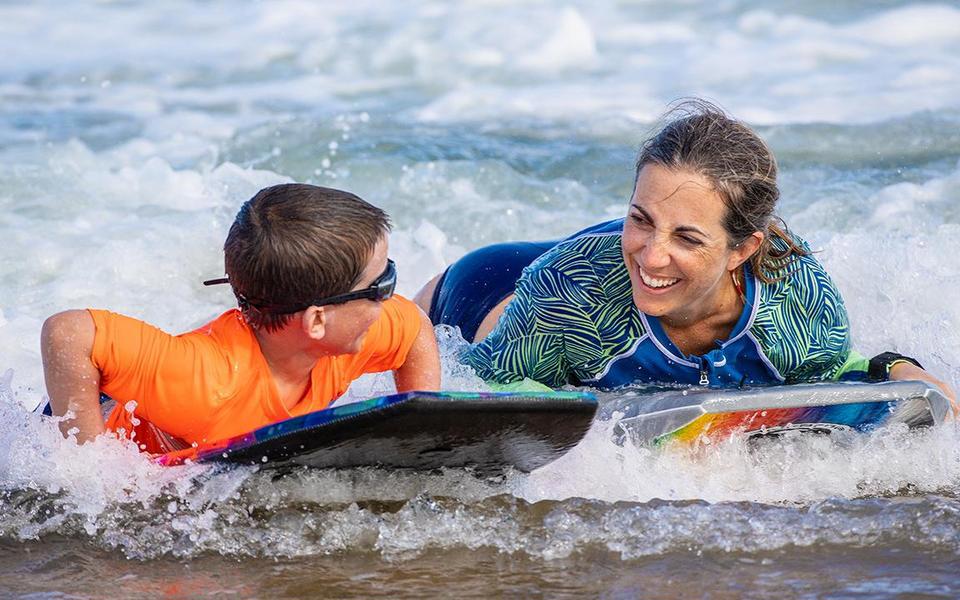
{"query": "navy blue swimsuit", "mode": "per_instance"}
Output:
(471, 287)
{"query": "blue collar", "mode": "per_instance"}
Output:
(662, 341)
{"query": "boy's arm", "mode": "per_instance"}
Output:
(421, 369)
(73, 382)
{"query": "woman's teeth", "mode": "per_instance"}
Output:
(656, 282)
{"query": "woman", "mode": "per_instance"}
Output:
(698, 284)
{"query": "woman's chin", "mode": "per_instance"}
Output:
(654, 307)
(655, 302)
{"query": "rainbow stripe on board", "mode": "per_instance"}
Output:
(860, 416)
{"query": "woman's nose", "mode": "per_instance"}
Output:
(655, 255)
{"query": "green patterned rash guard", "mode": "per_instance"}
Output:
(573, 321)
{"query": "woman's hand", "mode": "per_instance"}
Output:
(905, 370)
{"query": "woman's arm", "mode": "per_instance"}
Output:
(828, 355)
(528, 341)
(809, 326)
(901, 370)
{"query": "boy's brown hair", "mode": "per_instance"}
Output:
(294, 243)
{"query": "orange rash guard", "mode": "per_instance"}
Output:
(214, 382)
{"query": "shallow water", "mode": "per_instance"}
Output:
(130, 132)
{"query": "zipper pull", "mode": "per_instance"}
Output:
(704, 380)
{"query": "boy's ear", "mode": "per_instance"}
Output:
(314, 322)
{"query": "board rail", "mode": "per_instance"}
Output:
(693, 415)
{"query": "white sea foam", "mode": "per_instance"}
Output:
(895, 272)
(571, 45)
(804, 471)
(765, 65)
(910, 26)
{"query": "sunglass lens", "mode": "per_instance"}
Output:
(387, 282)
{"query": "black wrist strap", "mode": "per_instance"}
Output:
(880, 365)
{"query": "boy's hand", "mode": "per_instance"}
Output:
(421, 370)
(73, 382)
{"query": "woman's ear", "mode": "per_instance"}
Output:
(745, 250)
(314, 322)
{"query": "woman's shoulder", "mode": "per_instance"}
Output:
(800, 278)
(800, 309)
(590, 253)
(801, 322)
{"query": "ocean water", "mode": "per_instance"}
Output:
(131, 131)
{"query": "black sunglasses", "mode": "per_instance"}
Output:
(381, 289)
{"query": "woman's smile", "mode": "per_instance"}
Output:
(656, 284)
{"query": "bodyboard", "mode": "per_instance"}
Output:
(691, 416)
(417, 430)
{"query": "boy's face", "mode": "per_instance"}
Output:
(347, 323)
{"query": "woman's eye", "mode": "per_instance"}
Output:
(691, 241)
(640, 220)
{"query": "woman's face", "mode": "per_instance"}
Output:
(675, 247)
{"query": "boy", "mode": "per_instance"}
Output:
(314, 286)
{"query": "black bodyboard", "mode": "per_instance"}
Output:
(421, 430)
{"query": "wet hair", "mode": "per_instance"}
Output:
(294, 243)
(699, 137)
